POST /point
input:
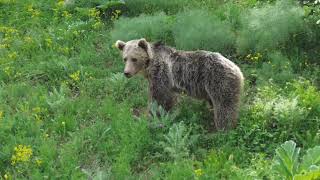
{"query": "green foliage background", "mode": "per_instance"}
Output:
(67, 112)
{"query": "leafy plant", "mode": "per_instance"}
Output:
(177, 141)
(286, 160)
(287, 164)
(121, 87)
(311, 160)
(160, 118)
(57, 97)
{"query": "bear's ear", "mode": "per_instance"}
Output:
(143, 44)
(120, 44)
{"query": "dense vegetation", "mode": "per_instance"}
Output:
(67, 111)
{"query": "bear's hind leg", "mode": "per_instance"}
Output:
(225, 112)
(225, 116)
(211, 124)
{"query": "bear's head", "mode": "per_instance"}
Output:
(136, 55)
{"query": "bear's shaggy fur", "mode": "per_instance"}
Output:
(201, 74)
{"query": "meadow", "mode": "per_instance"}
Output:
(68, 112)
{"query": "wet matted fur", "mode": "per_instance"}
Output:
(203, 75)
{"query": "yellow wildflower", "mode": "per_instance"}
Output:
(115, 15)
(36, 110)
(38, 118)
(60, 3)
(33, 11)
(8, 2)
(254, 57)
(30, 8)
(2, 46)
(8, 70)
(65, 50)
(18, 74)
(12, 55)
(76, 33)
(198, 172)
(66, 14)
(8, 30)
(7, 39)
(94, 13)
(75, 76)
(28, 39)
(38, 162)
(38, 113)
(22, 153)
(259, 55)
(97, 25)
(46, 135)
(64, 82)
(48, 42)
(6, 176)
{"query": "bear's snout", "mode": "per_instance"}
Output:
(127, 74)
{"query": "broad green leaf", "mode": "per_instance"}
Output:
(312, 157)
(286, 160)
(312, 175)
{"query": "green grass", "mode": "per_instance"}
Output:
(67, 112)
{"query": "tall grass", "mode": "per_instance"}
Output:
(199, 29)
(156, 27)
(67, 111)
(269, 27)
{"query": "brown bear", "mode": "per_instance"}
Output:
(200, 74)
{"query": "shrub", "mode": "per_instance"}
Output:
(285, 110)
(128, 138)
(278, 68)
(83, 3)
(274, 115)
(229, 12)
(121, 88)
(220, 165)
(156, 27)
(150, 6)
(308, 96)
(179, 170)
(199, 29)
(288, 113)
(269, 27)
(177, 141)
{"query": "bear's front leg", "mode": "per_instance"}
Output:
(162, 95)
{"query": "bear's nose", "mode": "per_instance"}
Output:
(127, 74)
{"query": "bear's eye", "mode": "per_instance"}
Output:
(134, 60)
(125, 59)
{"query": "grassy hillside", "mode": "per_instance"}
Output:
(67, 111)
